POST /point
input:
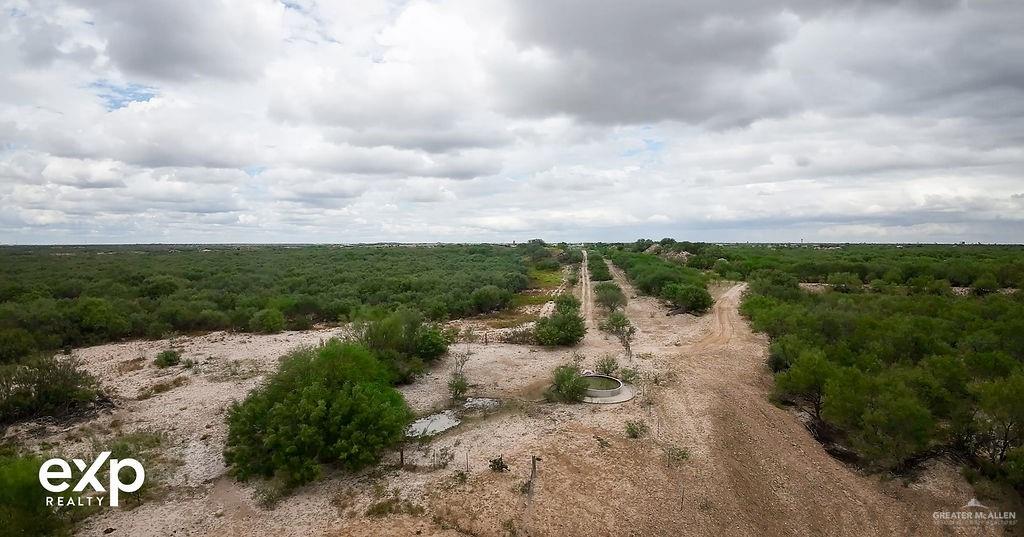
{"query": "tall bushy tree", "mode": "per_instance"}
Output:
(1000, 417)
(806, 378)
(330, 405)
(689, 298)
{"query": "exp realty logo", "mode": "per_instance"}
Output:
(55, 474)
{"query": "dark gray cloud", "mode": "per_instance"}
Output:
(186, 39)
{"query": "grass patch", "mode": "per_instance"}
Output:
(529, 299)
(544, 279)
(676, 455)
(393, 504)
(509, 319)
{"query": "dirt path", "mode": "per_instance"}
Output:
(755, 469)
(586, 297)
(750, 468)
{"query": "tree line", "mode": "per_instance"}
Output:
(899, 377)
(685, 288)
(57, 297)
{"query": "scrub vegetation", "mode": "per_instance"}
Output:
(887, 357)
(58, 297)
(329, 405)
(565, 327)
(920, 267)
(684, 287)
(901, 376)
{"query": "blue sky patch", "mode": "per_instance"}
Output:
(116, 95)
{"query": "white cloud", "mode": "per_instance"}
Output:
(499, 120)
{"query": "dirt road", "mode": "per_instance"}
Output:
(719, 459)
(755, 470)
(586, 294)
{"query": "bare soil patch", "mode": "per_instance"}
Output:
(719, 458)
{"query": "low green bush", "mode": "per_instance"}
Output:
(609, 295)
(564, 327)
(568, 385)
(15, 344)
(491, 297)
(23, 510)
(45, 386)
(607, 365)
(267, 321)
(597, 267)
(690, 298)
(458, 385)
(403, 341)
(328, 405)
(168, 358)
(629, 375)
(636, 429)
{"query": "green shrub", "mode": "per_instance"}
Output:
(609, 295)
(806, 378)
(458, 385)
(629, 375)
(402, 341)
(568, 385)
(491, 297)
(23, 510)
(845, 282)
(618, 325)
(689, 298)
(565, 329)
(267, 321)
(783, 352)
(15, 344)
(597, 267)
(548, 264)
(985, 284)
(566, 303)
(431, 343)
(636, 429)
(330, 405)
(168, 358)
(1015, 468)
(607, 365)
(45, 386)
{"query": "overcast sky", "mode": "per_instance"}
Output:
(480, 120)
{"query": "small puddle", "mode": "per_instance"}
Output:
(432, 424)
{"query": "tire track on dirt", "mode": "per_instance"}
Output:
(754, 469)
(587, 295)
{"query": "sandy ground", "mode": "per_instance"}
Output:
(719, 458)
